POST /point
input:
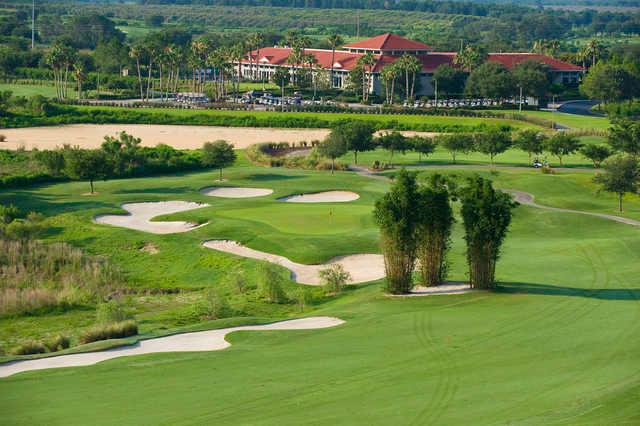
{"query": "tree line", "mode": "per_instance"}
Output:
(122, 156)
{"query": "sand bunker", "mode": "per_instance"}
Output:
(211, 340)
(322, 197)
(361, 267)
(140, 215)
(180, 137)
(446, 288)
(235, 192)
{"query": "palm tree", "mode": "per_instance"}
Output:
(334, 41)
(295, 58)
(469, 58)
(136, 52)
(389, 75)
(79, 74)
(367, 61)
(411, 66)
(593, 49)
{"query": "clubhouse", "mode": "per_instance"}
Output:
(388, 48)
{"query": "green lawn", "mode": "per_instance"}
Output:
(33, 89)
(556, 344)
(513, 157)
(572, 121)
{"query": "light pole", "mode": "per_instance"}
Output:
(33, 24)
(520, 106)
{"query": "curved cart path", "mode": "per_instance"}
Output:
(528, 200)
(361, 267)
(520, 196)
(210, 340)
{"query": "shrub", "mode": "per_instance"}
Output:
(301, 297)
(29, 348)
(270, 284)
(3, 138)
(109, 331)
(212, 306)
(57, 343)
(112, 311)
(334, 278)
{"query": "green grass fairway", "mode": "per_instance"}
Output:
(513, 157)
(555, 344)
(572, 121)
(33, 89)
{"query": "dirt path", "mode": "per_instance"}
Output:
(177, 136)
(361, 267)
(211, 340)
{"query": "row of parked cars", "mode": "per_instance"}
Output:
(460, 103)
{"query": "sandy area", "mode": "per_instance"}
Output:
(361, 267)
(140, 215)
(322, 197)
(211, 340)
(447, 288)
(235, 192)
(181, 137)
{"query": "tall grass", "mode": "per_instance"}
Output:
(35, 277)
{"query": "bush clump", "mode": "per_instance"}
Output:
(116, 330)
(57, 343)
(29, 348)
(270, 285)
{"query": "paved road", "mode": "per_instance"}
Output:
(580, 108)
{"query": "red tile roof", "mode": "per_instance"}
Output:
(278, 56)
(388, 41)
(430, 61)
(510, 60)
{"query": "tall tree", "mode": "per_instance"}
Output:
(333, 146)
(366, 61)
(411, 66)
(423, 145)
(486, 214)
(455, 143)
(334, 41)
(396, 213)
(389, 74)
(621, 176)
(218, 154)
(393, 142)
(533, 77)
(530, 141)
(470, 58)
(89, 164)
(281, 78)
(357, 136)
(624, 136)
(562, 144)
(609, 83)
(435, 220)
(596, 153)
(490, 80)
(449, 80)
(492, 142)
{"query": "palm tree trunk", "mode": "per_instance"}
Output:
(139, 78)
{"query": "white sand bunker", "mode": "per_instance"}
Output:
(235, 192)
(211, 340)
(361, 267)
(446, 288)
(140, 215)
(322, 197)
